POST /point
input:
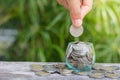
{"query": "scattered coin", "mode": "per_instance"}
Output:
(96, 75)
(50, 69)
(97, 67)
(66, 72)
(60, 66)
(35, 65)
(83, 73)
(42, 73)
(37, 68)
(117, 71)
(98, 71)
(110, 68)
(76, 32)
(112, 75)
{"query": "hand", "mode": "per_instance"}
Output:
(78, 9)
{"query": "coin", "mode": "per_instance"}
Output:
(118, 72)
(97, 67)
(42, 73)
(89, 57)
(85, 60)
(76, 32)
(98, 71)
(74, 63)
(74, 57)
(82, 73)
(66, 72)
(79, 64)
(96, 75)
(50, 69)
(35, 65)
(112, 75)
(60, 66)
(37, 68)
(110, 68)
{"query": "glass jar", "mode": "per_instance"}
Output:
(80, 56)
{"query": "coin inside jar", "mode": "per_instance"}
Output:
(76, 32)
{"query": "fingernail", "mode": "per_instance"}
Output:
(77, 22)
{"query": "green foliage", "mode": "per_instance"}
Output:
(44, 29)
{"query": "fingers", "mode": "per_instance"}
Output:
(75, 13)
(86, 7)
(78, 9)
(63, 3)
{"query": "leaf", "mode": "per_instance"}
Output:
(60, 51)
(55, 20)
(105, 21)
(41, 55)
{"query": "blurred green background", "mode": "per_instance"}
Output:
(43, 30)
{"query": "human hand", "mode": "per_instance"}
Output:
(77, 8)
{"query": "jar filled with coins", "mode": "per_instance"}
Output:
(80, 56)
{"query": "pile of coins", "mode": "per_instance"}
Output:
(98, 71)
(80, 56)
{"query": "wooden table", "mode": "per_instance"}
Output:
(21, 71)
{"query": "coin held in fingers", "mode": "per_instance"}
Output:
(76, 32)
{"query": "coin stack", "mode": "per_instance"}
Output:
(80, 56)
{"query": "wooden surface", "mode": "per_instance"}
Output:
(21, 71)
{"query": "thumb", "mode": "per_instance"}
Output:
(75, 13)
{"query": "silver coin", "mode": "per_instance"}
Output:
(76, 55)
(76, 32)
(42, 73)
(74, 58)
(34, 65)
(97, 67)
(60, 66)
(85, 60)
(74, 64)
(79, 64)
(66, 71)
(98, 71)
(117, 71)
(50, 69)
(82, 73)
(112, 75)
(110, 68)
(36, 68)
(66, 74)
(96, 75)
(89, 57)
